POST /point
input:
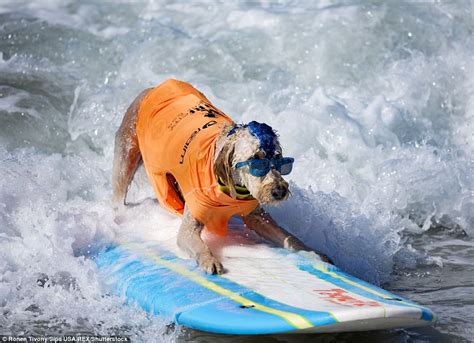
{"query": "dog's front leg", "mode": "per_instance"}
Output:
(265, 226)
(189, 240)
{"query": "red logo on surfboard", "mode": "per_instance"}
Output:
(341, 297)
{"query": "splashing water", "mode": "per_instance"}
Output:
(374, 101)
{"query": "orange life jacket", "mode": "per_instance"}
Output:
(177, 129)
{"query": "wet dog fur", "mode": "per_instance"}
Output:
(240, 146)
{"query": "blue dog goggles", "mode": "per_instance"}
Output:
(261, 167)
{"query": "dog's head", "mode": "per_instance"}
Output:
(244, 148)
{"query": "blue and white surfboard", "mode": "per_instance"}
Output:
(264, 290)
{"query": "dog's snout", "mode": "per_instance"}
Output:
(279, 192)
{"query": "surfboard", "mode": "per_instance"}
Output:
(264, 290)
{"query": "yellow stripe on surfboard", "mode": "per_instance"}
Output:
(296, 320)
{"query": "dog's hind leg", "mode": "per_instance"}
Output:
(127, 155)
(189, 240)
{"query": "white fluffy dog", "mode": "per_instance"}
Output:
(202, 165)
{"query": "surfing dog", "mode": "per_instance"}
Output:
(202, 166)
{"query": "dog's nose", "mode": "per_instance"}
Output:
(279, 192)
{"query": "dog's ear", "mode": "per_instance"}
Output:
(223, 168)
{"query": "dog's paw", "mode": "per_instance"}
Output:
(210, 264)
(324, 258)
(315, 256)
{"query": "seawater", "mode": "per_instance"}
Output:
(375, 100)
